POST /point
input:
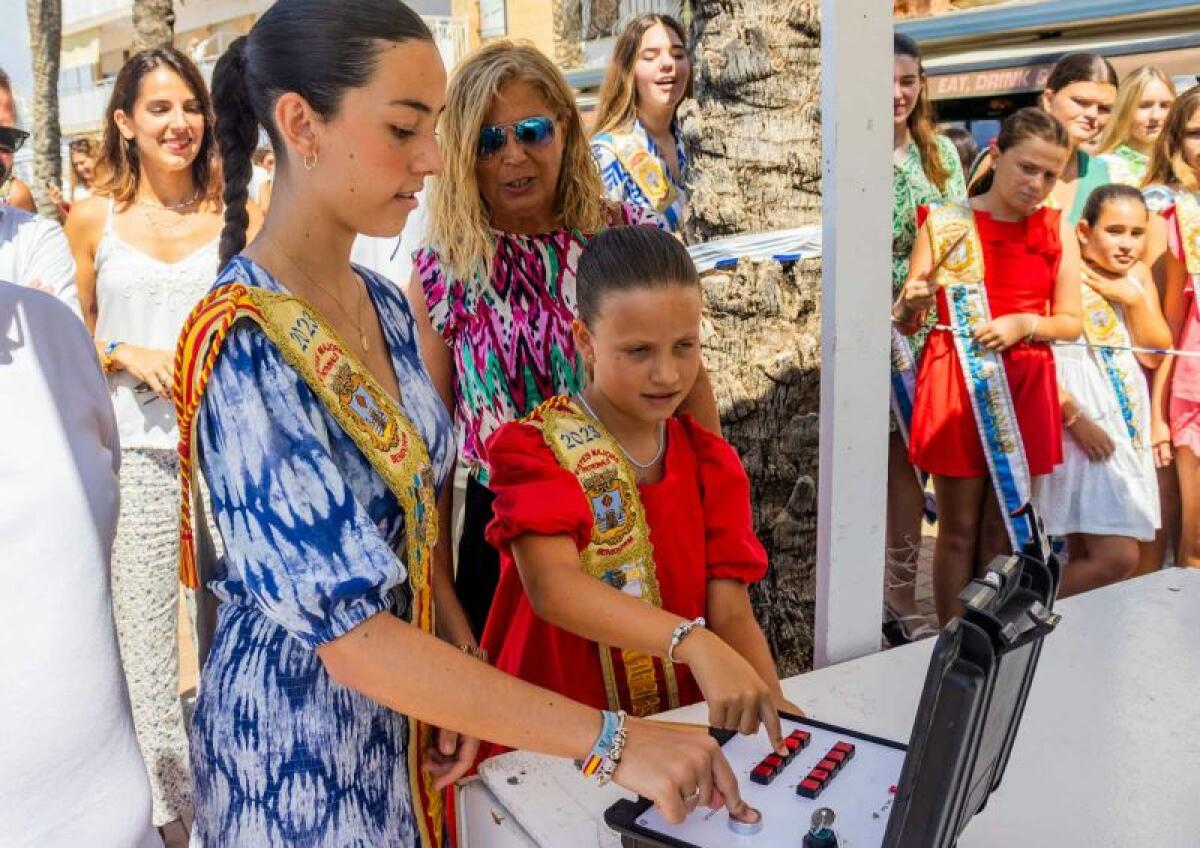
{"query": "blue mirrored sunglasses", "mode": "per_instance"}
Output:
(532, 132)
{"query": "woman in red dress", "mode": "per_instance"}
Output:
(1031, 277)
(638, 330)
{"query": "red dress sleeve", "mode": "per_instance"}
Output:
(534, 494)
(731, 550)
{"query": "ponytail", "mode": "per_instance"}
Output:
(314, 48)
(237, 138)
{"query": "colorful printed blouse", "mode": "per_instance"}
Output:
(509, 333)
(620, 185)
(1128, 165)
(911, 188)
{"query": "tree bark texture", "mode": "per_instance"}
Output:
(754, 136)
(568, 33)
(45, 46)
(153, 23)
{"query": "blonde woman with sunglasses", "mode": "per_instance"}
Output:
(494, 289)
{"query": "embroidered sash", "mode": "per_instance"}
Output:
(1187, 212)
(620, 553)
(1105, 330)
(904, 389)
(983, 370)
(376, 423)
(643, 166)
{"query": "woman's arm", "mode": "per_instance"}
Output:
(1065, 322)
(83, 228)
(1175, 313)
(563, 595)
(1147, 324)
(397, 665)
(918, 295)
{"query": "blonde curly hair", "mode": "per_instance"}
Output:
(459, 226)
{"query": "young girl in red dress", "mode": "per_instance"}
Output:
(621, 523)
(1031, 278)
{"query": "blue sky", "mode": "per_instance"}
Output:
(14, 53)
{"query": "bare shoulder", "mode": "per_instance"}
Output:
(87, 218)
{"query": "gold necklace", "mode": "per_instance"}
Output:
(357, 321)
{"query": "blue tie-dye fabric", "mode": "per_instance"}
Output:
(282, 755)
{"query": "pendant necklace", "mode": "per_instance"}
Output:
(642, 467)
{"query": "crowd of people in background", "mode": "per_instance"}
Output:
(518, 291)
(1087, 268)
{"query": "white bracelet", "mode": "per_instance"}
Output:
(680, 633)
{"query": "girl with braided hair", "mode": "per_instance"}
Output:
(145, 249)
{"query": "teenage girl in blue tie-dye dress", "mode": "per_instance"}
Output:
(315, 667)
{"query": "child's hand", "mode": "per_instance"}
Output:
(1092, 438)
(1122, 291)
(737, 697)
(918, 294)
(1001, 333)
(1160, 443)
(450, 758)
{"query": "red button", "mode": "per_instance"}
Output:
(762, 774)
(819, 774)
(793, 744)
(774, 761)
(809, 789)
(802, 735)
(838, 757)
(828, 765)
(845, 747)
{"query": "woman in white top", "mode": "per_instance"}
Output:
(146, 249)
(70, 771)
(1104, 495)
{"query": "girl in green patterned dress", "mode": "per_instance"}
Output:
(925, 168)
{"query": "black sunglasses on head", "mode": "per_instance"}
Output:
(11, 139)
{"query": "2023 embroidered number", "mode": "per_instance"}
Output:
(580, 437)
(302, 332)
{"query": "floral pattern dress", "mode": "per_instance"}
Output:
(282, 754)
(911, 189)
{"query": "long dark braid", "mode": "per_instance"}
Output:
(237, 137)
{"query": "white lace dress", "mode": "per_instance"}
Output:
(143, 301)
(1117, 497)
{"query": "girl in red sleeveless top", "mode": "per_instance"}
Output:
(559, 596)
(1031, 276)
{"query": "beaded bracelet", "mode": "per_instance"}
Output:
(609, 766)
(603, 743)
(680, 633)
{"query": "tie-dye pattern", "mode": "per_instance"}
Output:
(282, 754)
(510, 334)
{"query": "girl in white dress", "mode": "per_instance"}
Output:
(1104, 495)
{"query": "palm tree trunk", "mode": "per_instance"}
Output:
(45, 46)
(568, 33)
(153, 23)
(754, 137)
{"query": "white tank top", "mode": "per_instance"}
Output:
(143, 301)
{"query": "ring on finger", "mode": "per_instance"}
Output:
(692, 796)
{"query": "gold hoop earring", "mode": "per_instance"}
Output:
(307, 166)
